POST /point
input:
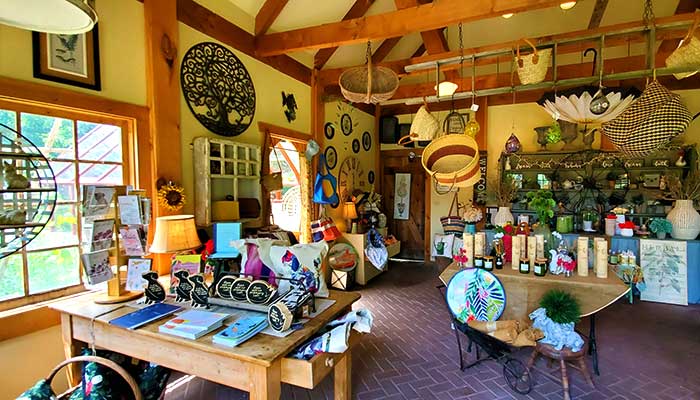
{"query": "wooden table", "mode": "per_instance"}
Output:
(524, 291)
(258, 366)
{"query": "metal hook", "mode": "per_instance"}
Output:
(595, 57)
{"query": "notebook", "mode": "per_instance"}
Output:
(145, 315)
(193, 324)
(241, 330)
(225, 233)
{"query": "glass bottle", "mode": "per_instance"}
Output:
(498, 261)
(524, 265)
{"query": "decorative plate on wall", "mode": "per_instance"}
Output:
(329, 130)
(355, 146)
(218, 89)
(331, 157)
(475, 294)
(346, 124)
(366, 141)
(370, 177)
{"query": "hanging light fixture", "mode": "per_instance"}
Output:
(508, 15)
(51, 16)
(446, 88)
(567, 5)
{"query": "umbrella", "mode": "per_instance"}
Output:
(573, 105)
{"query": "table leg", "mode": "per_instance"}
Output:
(71, 348)
(592, 346)
(342, 378)
(265, 382)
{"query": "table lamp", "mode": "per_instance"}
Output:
(350, 213)
(175, 234)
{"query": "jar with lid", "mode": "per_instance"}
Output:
(488, 263)
(540, 267)
(524, 265)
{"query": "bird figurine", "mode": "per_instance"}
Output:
(290, 103)
(154, 290)
(183, 290)
(200, 292)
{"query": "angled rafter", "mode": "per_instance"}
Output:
(384, 49)
(419, 51)
(358, 9)
(267, 15)
(397, 23)
(597, 16)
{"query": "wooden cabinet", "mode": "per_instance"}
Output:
(365, 270)
(223, 168)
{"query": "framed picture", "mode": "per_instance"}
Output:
(402, 196)
(70, 59)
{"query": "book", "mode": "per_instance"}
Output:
(225, 234)
(193, 324)
(129, 210)
(96, 266)
(132, 241)
(101, 234)
(134, 273)
(241, 330)
(188, 262)
(145, 315)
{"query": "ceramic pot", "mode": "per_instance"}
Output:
(470, 228)
(502, 216)
(587, 226)
(661, 235)
(627, 232)
(685, 220)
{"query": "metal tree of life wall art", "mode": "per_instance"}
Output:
(218, 89)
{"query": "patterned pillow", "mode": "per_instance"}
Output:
(302, 262)
(255, 258)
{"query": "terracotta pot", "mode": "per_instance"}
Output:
(685, 220)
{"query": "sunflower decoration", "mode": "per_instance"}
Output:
(171, 196)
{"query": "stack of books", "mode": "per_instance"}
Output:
(193, 324)
(243, 329)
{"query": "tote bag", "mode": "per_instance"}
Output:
(423, 128)
(453, 224)
(320, 196)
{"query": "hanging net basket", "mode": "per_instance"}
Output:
(368, 84)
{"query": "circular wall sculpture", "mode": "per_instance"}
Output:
(218, 89)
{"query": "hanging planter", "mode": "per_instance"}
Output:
(368, 84)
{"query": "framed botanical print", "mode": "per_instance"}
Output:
(70, 59)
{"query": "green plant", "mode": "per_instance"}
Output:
(554, 133)
(561, 306)
(542, 202)
(612, 176)
(660, 225)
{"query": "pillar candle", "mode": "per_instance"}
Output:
(532, 252)
(515, 253)
(523, 246)
(601, 258)
(468, 247)
(539, 239)
(582, 256)
(479, 243)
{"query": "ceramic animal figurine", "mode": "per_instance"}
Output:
(13, 179)
(183, 290)
(13, 217)
(200, 292)
(554, 266)
(154, 290)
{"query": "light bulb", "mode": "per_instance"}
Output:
(506, 16)
(567, 5)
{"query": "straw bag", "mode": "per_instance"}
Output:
(423, 128)
(532, 68)
(452, 160)
(368, 84)
(653, 120)
(687, 55)
(273, 181)
(453, 224)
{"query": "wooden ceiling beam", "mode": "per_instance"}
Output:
(597, 16)
(419, 51)
(421, 18)
(667, 46)
(267, 15)
(203, 20)
(358, 9)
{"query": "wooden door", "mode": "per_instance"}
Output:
(410, 232)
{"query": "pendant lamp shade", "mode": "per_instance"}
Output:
(175, 233)
(574, 105)
(51, 16)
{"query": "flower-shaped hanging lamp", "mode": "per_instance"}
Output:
(573, 105)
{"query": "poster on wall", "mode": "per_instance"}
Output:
(665, 267)
(402, 195)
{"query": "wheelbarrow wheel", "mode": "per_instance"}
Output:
(517, 376)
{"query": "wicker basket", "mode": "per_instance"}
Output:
(532, 68)
(423, 127)
(688, 52)
(452, 160)
(368, 84)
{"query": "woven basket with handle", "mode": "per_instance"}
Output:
(532, 68)
(368, 84)
(688, 52)
(452, 161)
(102, 361)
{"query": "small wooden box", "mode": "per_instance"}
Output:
(225, 211)
(342, 280)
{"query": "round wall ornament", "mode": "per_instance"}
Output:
(217, 89)
(170, 195)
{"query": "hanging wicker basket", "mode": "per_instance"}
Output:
(368, 84)
(452, 161)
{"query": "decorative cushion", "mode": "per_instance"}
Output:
(302, 262)
(255, 258)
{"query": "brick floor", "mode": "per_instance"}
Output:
(647, 351)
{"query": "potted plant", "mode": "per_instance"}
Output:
(506, 188)
(472, 215)
(561, 306)
(684, 218)
(542, 202)
(589, 216)
(661, 226)
(611, 177)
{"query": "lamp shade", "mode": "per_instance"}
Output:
(175, 233)
(51, 16)
(349, 210)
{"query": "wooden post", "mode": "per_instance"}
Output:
(163, 99)
(317, 120)
(342, 377)
(265, 382)
(71, 348)
(378, 171)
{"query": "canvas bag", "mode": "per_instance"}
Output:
(532, 68)
(653, 120)
(687, 54)
(319, 194)
(376, 250)
(423, 128)
(442, 245)
(453, 224)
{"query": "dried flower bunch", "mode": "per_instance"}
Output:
(687, 188)
(472, 214)
(505, 190)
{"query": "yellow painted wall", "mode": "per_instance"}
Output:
(26, 359)
(362, 122)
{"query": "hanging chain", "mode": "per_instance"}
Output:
(368, 54)
(648, 16)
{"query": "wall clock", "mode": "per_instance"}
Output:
(346, 124)
(217, 89)
(355, 146)
(329, 130)
(350, 177)
(366, 141)
(331, 157)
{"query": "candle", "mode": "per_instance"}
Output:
(601, 258)
(515, 252)
(582, 256)
(532, 250)
(479, 243)
(523, 246)
(540, 246)
(468, 247)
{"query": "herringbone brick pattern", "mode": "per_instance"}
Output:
(647, 351)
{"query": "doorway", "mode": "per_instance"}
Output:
(411, 231)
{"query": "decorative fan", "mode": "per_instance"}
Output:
(574, 105)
